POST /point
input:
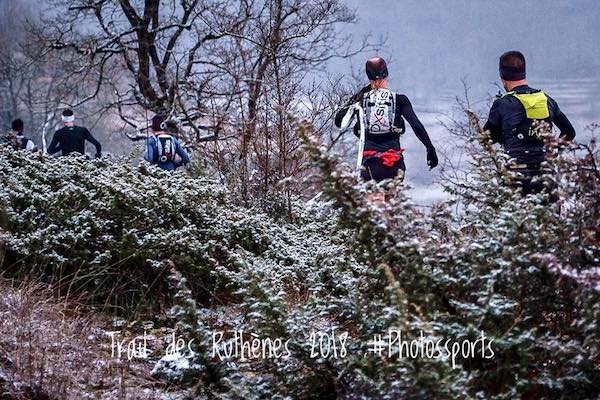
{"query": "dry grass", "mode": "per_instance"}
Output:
(53, 349)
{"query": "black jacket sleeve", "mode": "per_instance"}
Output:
(339, 116)
(92, 140)
(405, 109)
(567, 131)
(494, 124)
(54, 144)
(561, 121)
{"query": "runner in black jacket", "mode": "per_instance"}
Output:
(511, 117)
(18, 140)
(72, 138)
(382, 157)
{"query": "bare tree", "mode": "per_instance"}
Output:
(34, 82)
(153, 45)
(14, 66)
(224, 69)
(271, 56)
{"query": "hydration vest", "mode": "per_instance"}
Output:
(165, 148)
(536, 109)
(380, 112)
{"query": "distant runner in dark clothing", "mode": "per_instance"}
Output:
(511, 118)
(71, 138)
(385, 113)
(18, 140)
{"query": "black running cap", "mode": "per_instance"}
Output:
(376, 69)
(17, 125)
(158, 123)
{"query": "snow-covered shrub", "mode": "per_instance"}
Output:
(108, 227)
(521, 273)
(105, 226)
(522, 270)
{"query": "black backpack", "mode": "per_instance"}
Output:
(535, 105)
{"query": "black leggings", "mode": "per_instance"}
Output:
(373, 169)
(530, 182)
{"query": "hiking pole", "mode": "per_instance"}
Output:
(361, 144)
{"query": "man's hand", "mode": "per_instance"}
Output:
(432, 159)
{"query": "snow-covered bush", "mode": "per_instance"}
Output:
(516, 276)
(107, 228)
(522, 270)
(509, 270)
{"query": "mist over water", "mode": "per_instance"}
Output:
(433, 45)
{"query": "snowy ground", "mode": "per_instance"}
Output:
(55, 348)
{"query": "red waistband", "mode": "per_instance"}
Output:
(389, 158)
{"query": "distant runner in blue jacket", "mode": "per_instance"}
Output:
(162, 148)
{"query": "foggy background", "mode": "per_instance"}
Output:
(432, 45)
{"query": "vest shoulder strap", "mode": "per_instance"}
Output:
(534, 103)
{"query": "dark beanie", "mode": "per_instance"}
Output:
(158, 123)
(17, 125)
(376, 69)
(512, 66)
